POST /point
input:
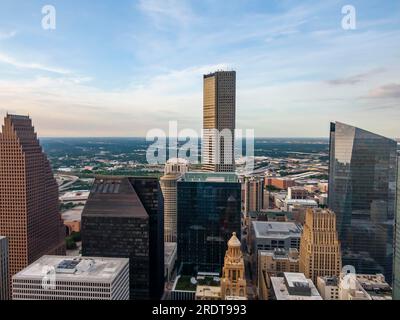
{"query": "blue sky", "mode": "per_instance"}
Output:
(121, 68)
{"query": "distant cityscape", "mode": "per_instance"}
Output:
(89, 218)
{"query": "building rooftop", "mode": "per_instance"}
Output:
(272, 229)
(210, 177)
(74, 269)
(114, 196)
(330, 280)
(281, 254)
(294, 286)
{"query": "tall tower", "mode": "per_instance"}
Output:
(233, 282)
(174, 169)
(253, 194)
(396, 264)
(29, 212)
(4, 277)
(362, 193)
(219, 121)
(319, 245)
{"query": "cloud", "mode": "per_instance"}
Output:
(7, 34)
(4, 58)
(391, 90)
(354, 79)
(167, 11)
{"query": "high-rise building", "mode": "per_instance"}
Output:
(29, 207)
(362, 188)
(233, 281)
(219, 121)
(123, 219)
(396, 264)
(174, 169)
(319, 246)
(4, 275)
(68, 278)
(253, 194)
(208, 214)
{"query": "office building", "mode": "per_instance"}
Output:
(294, 286)
(297, 192)
(362, 188)
(328, 287)
(320, 253)
(219, 121)
(174, 169)
(29, 207)
(233, 281)
(123, 219)
(281, 183)
(4, 275)
(253, 194)
(396, 265)
(208, 213)
(68, 278)
(269, 235)
(273, 263)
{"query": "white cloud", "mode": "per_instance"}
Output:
(4, 58)
(7, 34)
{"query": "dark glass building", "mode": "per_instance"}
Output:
(208, 212)
(123, 218)
(396, 267)
(362, 193)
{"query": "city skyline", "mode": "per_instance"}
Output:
(298, 69)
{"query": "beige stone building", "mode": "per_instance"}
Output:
(273, 263)
(219, 120)
(320, 253)
(233, 281)
(174, 169)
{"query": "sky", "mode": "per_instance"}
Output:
(122, 68)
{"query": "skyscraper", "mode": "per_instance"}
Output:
(319, 246)
(396, 265)
(4, 276)
(208, 214)
(123, 219)
(219, 121)
(29, 207)
(233, 281)
(174, 169)
(253, 194)
(362, 188)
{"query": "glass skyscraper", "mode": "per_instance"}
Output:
(208, 213)
(396, 271)
(362, 193)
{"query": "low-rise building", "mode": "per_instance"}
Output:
(63, 278)
(268, 235)
(328, 287)
(274, 263)
(364, 287)
(294, 286)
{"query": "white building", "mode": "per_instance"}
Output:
(4, 281)
(294, 286)
(80, 278)
(364, 287)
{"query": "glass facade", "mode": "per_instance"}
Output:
(396, 270)
(362, 193)
(208, 213)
